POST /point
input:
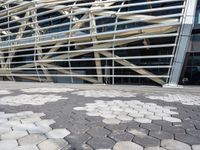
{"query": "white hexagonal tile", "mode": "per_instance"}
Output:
(8, 144)
(111, 121)
(52, 144)
(174, 145)
(27, 147)
(195, 147)
(57, 133)
(171, 119)
(127, 145)
(143, 120)
(13, 135)
(32, 139)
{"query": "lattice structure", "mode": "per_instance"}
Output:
(95, 41)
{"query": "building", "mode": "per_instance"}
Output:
(99, 41)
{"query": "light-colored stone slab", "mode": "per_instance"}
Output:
(5, 130)
(24, 127)
(8, 144)
(155, 148)
(31, 120)
(32, 139)
(45, 123)
(6, 116)
(136, 115)
(12, 123)
(13, 135)
(26, 147)
(195, 147)
(174, 145)
(57, 133)
(93, 114)
(153, 117)
(143, 120)
(108, 116)
(47, 90)
(23, 99)
(79, 108)
(171, 119)
(39, 129)
(124, 118)
(126, 111)
(127, 145)
(53, 144)
(111, 121)
(23, 113)
(137, 132)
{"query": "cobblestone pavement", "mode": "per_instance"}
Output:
(77, 117)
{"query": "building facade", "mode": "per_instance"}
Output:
(98, 41)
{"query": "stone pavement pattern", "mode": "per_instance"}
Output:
(66, 118)
(26, 130)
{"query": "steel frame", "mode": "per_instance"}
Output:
(99, 28)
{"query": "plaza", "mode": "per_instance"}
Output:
(94, 117)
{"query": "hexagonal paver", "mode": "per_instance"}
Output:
(39, 129)
(151, 127)
(193, 132)
(155, 148)
(4, 130)
(138, 132)
(24, 127)
(57, 133)
(23, 113)
(31, 119)
(161, 135)
(45, 122)
(32, 139)
(14, 135)
(126, 111)
(101, 143)
(153, 117)
(8, 144)
(147, 141)
(174, 145)
(77, 140)
(124, 118)
(143, 120)
(189, 139)
(111, 121)
(195, 147)
(107, 115)
(127, 145)
(26, 147)
(121, 136)
(53, 144)
(98, 132)
(171, 119)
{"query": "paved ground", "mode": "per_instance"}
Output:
(86, 117)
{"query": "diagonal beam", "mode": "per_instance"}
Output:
(92, 80)
(127, 63)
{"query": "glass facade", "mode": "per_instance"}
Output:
(88, 41)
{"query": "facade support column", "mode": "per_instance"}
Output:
(183, 43)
